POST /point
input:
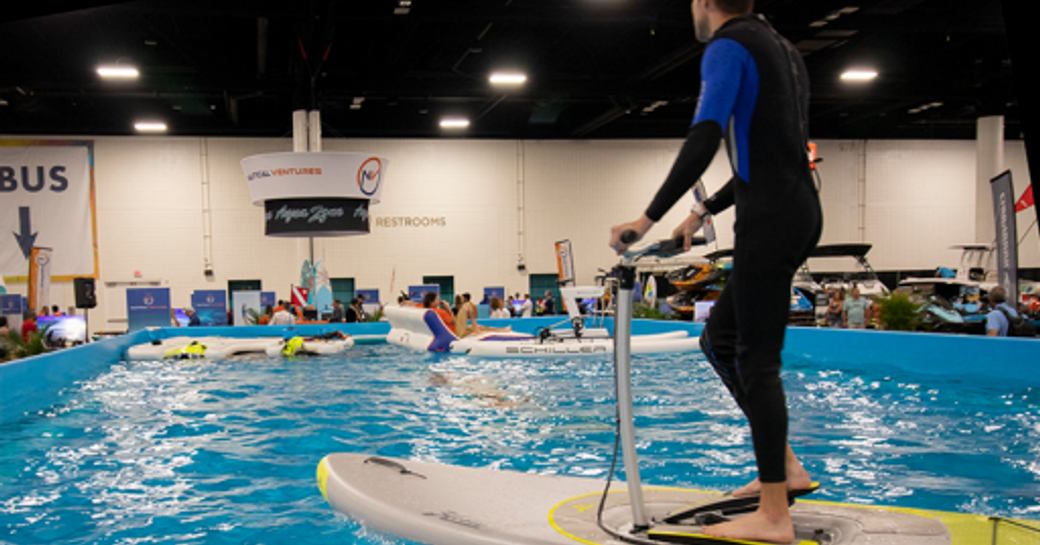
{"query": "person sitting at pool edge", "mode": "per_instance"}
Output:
(468, 313)
(433, 301)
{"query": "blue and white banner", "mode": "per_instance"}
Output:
(371, 296)
(147, 307)
(415, 293)
(211, 306)
(497, 291)
(267, 299)
(1007, 233)
(11, 305)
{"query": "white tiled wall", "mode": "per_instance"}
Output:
(918, 198)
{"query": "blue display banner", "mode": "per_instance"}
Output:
(211, 306)
(11, 305)
(267, 299)
(147, 307)
(415, 293)
(371, 296)
(496, 291)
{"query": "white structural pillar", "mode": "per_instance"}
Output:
(989, 161)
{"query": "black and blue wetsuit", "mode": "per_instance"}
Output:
(755, 94)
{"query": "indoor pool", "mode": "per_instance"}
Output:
(225, 452)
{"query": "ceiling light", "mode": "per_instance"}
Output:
(935, 105)
(859, 75)
(150, 126)
(116, 71)
(832, 17)
(454, 123)
(848, 10)
(507, 78)
(3, 102)
(817, 24)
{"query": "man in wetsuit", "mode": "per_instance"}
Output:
(755, 94)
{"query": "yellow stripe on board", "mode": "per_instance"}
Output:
(323, 477)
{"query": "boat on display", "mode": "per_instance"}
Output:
(444, 504)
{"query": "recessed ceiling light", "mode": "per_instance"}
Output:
(848, 10)
(3, 102)
(817, 24)
(117, 71)
(507, 79)
(858, 75)
(150, 126)
(454, 123)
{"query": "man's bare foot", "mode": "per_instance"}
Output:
(797, 479)
(757, 527)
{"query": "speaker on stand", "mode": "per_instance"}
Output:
(86, 298)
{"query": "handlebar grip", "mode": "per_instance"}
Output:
(628, 237)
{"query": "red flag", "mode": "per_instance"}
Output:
(1025, 201)
(299, 296)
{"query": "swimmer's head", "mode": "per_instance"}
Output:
(706, 12)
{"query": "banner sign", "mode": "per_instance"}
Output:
(211, 306)
(299, 296)
(245, 307)
(1007, 233)
(371, 296)
(39, 277)
(11, 305)
(315, 217)
(267, 299)
(147, 307)
(497, 291)
(564, 262)
(325, 174)
(47, 199)
(415, 293)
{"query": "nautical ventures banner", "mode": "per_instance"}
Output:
(47, 199)
(211, 306)
(267, 299)
(39, 277)
(1007, 233)
(565, 262)
(147, 307)
(497, 291)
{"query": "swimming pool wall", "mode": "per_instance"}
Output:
(33, 384)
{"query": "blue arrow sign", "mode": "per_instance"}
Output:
(26, 238)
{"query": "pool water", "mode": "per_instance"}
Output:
(225, 452)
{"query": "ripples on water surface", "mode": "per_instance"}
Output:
(200, 452)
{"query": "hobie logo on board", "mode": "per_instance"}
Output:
(369, 174)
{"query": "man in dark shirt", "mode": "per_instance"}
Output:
(337, 311)
(755, 94)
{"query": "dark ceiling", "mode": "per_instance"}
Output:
(596, 67)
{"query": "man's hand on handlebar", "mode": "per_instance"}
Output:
(639, 227)
(687, 229)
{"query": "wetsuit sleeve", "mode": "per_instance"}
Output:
(722, 199)
(721, 71)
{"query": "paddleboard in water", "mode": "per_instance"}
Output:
(450, 505)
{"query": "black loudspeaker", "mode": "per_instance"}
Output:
(85, 294)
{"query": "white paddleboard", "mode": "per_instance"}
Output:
(451, 505)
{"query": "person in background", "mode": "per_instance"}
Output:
(282, 317)
(279, 306)
(71, 311)
(856, 310)
(56, 311)
(498, 310)
(458, 305)
(351, 314)
(998, 321)
(527, 307)
(547, 306)
(337, 311)
(5, 329)
(834, 310)
(193, 317)
(468, 313)
(28, 325)
(265, 318)
(432, 301)
(360, 308)
(45, 311)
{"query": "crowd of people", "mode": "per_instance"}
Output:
(851, 311)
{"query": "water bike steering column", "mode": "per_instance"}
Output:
(625, 273)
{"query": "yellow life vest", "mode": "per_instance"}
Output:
(292, 346)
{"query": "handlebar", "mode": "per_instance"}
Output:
(661, 248)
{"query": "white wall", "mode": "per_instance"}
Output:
(912, 199)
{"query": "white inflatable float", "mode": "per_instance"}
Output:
(218, 348)
(423, 329)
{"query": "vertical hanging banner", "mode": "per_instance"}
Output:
(39, 277)
(1007, 233)
(47, 199)
(565, 262)
(147, 307)
(211, 306)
